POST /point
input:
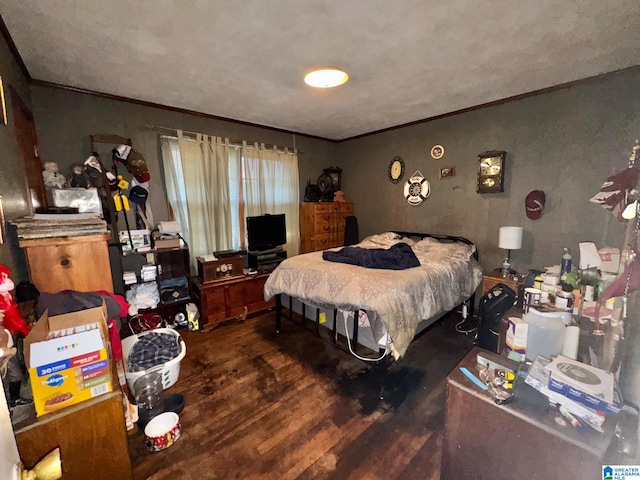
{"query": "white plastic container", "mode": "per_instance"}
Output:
(545, 335)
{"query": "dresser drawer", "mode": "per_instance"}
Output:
(321, 242)
(346, 209)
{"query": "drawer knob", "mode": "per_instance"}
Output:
(65, 262)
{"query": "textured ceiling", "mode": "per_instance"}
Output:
(408, 59)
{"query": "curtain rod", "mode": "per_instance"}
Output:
(233, 142)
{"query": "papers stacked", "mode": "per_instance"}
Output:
(129, 278)
(148, 273)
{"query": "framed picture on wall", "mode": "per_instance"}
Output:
(447, 172)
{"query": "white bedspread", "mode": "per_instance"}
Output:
(448, 274)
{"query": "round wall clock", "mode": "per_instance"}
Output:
(437, 152)
(396, 169)
(416, 189)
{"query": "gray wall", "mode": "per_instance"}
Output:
(66, 119)
(565, 142)
(13, 185)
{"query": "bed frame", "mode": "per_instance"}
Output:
(334, 334)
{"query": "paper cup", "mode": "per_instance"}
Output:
(532, 298)
(162, 431)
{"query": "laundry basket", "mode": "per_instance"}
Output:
(170, 370)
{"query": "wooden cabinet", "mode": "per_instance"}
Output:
(494, 277)
(322, 225)
(91, 436)
(69, 263)
(224, 299)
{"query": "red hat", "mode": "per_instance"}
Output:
(534, 203)
(143, 177)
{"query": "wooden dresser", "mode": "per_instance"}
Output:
(222, 300)
(322, 225)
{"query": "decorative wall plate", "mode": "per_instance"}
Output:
(437, 152)
(417, 189)
(396, 169)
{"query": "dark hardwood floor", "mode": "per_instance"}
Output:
(291, 406)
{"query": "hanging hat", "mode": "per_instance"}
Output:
(534, 203)
(138, 194)
(136, 164)
(143, 177)
(122, 151)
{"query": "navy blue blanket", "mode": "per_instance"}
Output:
(397, 257)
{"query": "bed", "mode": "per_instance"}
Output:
(397, 302)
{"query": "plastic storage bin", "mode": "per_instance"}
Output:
(170, 370)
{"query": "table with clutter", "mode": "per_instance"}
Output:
(548, 404)
(524, 439)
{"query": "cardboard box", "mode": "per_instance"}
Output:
(591, 386)
(516, 337)
(166, 241)
(68, 359)
(609, 259)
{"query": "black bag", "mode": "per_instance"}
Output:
(174, 289)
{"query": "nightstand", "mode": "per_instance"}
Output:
(494, 277)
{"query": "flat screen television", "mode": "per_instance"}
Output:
(266, 232)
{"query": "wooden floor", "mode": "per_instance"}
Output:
(291, 406)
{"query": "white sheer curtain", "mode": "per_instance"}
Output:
(198, 190)
(271, 185)
(213, 185)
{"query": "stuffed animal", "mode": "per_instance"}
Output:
(12, 319)
(79, 177)
(51, 177)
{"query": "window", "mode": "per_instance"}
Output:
(212, 185)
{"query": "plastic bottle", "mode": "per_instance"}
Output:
(545, 335)
(566, 262)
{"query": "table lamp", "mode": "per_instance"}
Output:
(510, 239)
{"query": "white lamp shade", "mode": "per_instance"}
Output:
(510, 238)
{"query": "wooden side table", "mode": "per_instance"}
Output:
(69, 263)
(483, 440)
(494, 277)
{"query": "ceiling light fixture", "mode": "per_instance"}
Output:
(326, 77)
